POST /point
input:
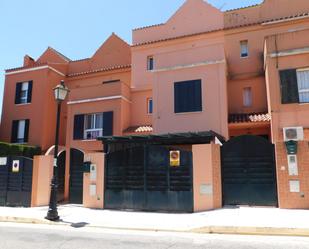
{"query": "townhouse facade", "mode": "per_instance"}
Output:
(205, 77)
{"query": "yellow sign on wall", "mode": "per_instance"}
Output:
(175, 158)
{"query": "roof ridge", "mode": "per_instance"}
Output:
(60, 54)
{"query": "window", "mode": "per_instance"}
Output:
(244, 51)
(23, 92)
(150, 63)
(303, 86)
(188, 96)
(247, 97)
(93, 126)
(20, 130)
(294, 86)
(149, 106)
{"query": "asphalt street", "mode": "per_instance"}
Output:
(24, 236)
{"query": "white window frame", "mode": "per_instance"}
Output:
(148, 106)
(302, 90)
(93, 130)
(247, 97)
(21, 131)
(244, 49)
(24, 89)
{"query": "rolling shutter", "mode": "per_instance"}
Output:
(108, 123)
(78, 133)
(14, 131)
(17, 93)
(289, 87)
(188, 96)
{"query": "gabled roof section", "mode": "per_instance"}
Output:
(194, 16)
(113, 52)
(52, 55)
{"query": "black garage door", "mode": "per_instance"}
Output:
(141, 178)
(248, 172)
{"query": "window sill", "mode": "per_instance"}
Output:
(244, 57)
(184, 113)
(89, 140)
(22, 104)
(305, 103)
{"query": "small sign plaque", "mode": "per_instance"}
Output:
(3, 161)
(15, 166)
(175, 158)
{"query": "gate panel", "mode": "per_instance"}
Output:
(19, 186)
(4, 171)
(248, 172)
(76, 176)
(140, 178)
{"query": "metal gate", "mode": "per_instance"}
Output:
(16, 181)
(141, 178)
(76, 176)
(248, 172)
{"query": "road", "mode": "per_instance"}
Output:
(24, 236)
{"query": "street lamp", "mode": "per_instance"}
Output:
(60, 92)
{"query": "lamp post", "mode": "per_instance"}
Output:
(60, 92)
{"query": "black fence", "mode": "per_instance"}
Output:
(15, 181)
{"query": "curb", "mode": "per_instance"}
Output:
(267, 231)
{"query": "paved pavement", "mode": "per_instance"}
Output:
(243, 220)
(29, 236)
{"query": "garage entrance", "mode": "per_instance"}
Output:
(141, 178)
(144, 173)
(249, 172)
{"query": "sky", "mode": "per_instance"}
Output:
(76, 28)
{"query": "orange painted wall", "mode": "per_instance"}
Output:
(41, 111)
(42, 175)
(96, 201)
(206, 174)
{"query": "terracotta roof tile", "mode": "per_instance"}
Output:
(226, 28)
(139, 129)
(249, 117)
(100, 70)
(20, 68)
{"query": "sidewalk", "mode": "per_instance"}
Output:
(243, 220)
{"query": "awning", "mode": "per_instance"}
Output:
(165, 139)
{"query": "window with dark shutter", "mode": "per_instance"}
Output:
(188, 96)
(23, 93)
(108, 123)
(289, 87)
(78, 133)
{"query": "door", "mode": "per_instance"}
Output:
(248, 172)
(141, 178)
(76, 176)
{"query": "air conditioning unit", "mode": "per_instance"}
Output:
(293, 133)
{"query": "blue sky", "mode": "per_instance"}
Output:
(77, 28)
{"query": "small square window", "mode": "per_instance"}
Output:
(247, 97)
(150, 63)
(244, 50)
(149, 106)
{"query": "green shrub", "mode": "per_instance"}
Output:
(7, 149)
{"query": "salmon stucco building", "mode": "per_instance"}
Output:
(207, 109)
